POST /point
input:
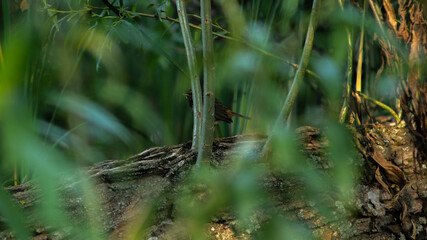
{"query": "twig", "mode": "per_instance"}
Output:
(213, 24)
(267, 53)
(111, 7)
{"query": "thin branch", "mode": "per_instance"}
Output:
(111, 7)
(250, 45)
(74, 11)
(213, 24)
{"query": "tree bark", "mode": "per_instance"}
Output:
(382, 209)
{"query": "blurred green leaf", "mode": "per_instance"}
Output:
(79, 86)
(13, 216)
(95, 115)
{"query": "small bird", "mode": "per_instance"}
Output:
(222, 113)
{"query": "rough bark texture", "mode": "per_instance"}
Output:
(383, 208)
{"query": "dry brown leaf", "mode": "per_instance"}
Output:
(381, 69)
(404, 213)
(403, 31)
(392, 172)
(414, 230)
(405, 220)
(380, 180)
(390, 16)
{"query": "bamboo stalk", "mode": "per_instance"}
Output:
(194, 76)
(205, 147)
(290, 99)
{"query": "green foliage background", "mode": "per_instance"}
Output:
(81, 85)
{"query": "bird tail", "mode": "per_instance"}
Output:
(239, 115)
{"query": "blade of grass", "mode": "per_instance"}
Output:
(344, 108)
(66, 134)
(360, 63)
(382, 105)
(161, 50)
(250, 88)
(360, 56)
(60, 97)
(237, 98)
(236, 21)
(255, 11)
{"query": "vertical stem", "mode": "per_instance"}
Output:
(205, 147)
(247, 96)
(290, 99)
(15, 175)
(344, 108)
(237, 102)
(360, 57)
(359, 66)
(194, 76)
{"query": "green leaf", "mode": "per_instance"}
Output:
(13, 216)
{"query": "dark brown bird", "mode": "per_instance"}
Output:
(222, 113)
